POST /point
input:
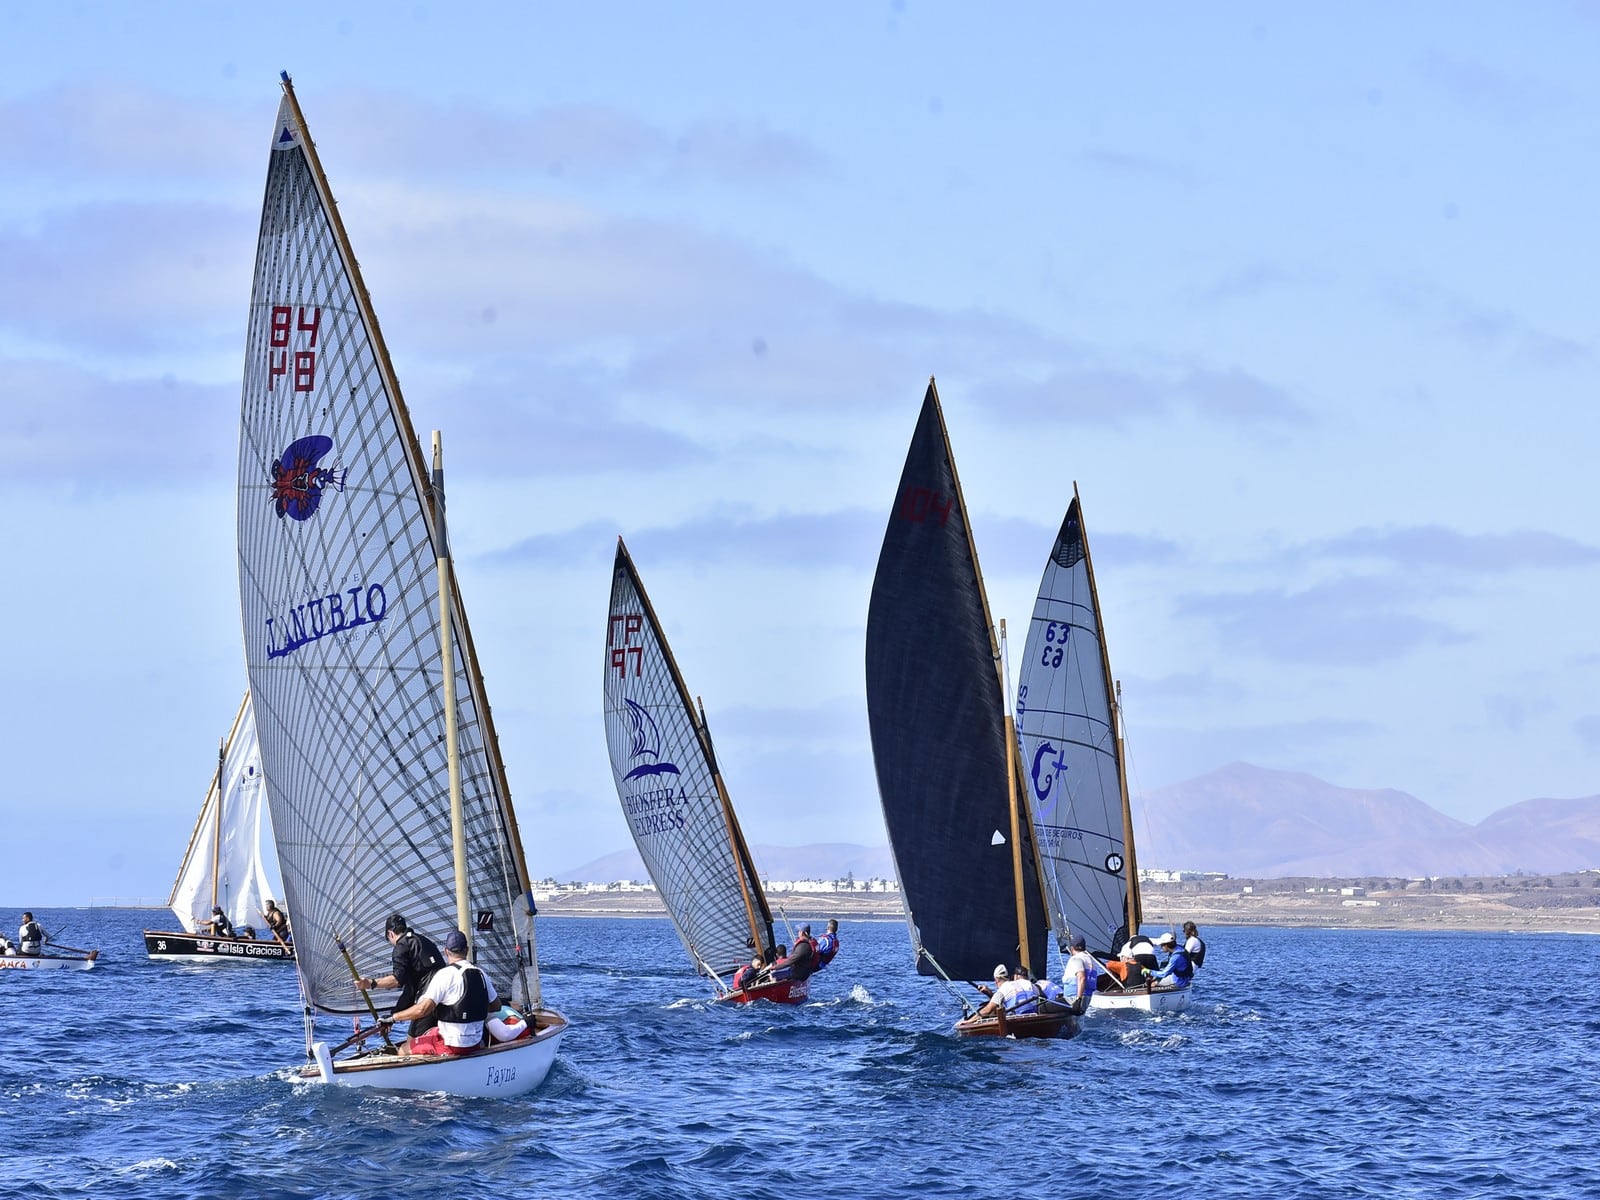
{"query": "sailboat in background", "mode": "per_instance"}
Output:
(223, 866)
(1070, 731)
(675, 801)
(382, 766)
(942, 743)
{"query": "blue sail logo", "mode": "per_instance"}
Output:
(1043, 784)
(646, 743)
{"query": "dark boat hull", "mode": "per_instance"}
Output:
(1026, 1025)
(191, 947)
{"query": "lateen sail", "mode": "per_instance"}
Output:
(234, 860)
(341, 622)
(937, 717)
(663, 763)
(1070, 753)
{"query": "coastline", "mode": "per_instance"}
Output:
(1514, 904)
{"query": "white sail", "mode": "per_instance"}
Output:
(680, 818)
(224, 863)
(342, 628)
(1070, 756)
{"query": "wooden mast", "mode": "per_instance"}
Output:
(447, 658)
(391, 384)
(994, 650)
(1130, 867)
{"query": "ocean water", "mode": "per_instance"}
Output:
(1311, 1063)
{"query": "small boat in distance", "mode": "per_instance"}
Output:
(223, 866)
(382, 766)
(942, 744)
(1070, 729)
(676, 803)
(48, 954)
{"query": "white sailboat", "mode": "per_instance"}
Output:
(381, 762)
(223, 866)
(675, 801)
(1069, 730)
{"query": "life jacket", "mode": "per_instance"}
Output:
(414, 960)
(745, 977)
(1020, 997)
(1181, 965)
(31, 937)
(474, 1003)
(827, 947)
(1197, 953)
(1091, 971)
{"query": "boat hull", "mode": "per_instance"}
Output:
(506, 1069)
(189, 947)
(1141, 999)
(48, 962)
(780, 991)
(1023, 1025)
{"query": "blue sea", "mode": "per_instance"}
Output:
(1311, 1063)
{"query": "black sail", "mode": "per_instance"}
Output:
(937, 718)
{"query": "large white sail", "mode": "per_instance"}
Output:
(224, 863)
(681, 820)
(1070, 752)
(342, 626)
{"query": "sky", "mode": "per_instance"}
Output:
(1302, 300)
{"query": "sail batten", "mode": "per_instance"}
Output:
(671, 792)
(936, 710)
(1067, 733)
(340, 598)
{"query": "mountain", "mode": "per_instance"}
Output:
(823, 860)
(1255, 823)
(1252, 822)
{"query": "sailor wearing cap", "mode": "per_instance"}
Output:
(1179, 971)
(1082, 975)
(459, 996)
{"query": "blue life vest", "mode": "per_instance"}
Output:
(827, 947)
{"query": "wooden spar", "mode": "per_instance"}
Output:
(1130, 865)
(1130, 860)
(1000, 679)
(216, 830)
(741, 852)
(200, 818)
(447, 658)
(402, 415)
(1014, 803)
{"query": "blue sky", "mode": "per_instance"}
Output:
(1302, 300)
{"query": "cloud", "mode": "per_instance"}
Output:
(1477, 553)
(63, 424)
(1487, 89)
(1119, 397)
(1350, 622)
(846, 539)
(1137, 166)
(1251, 281)
(1016, 545)
(1588, 732)
(1485, 328)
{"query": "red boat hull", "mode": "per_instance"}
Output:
(780, 991)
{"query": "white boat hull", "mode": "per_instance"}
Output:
(1157, 1000)
(508, 1069)
(45, 962)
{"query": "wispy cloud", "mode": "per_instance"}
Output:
(1473, 553)
(1353, 622)
(800, 541)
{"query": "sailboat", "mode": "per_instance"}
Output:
(1070, 732)
(381, 762)
(223, 866)
(942, 743)
(676, 803)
